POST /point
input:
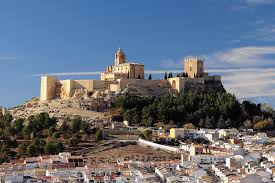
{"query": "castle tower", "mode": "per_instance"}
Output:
(194, 67)
(120, 57)
(48, 87)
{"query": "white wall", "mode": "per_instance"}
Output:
(159, 146)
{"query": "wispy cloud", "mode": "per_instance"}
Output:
(264, 32)
(98, 73)
(257, 22)
(248, 83)
(259, 2)
(6, 58)
(250, 56)
(171, 63)
(253, 73)
(243, 57)
(242, 5)
(67, 74)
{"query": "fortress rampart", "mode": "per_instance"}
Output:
(123, 75)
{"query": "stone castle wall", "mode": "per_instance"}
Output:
(69, 86)
(124, 83)
(47, 90)
(122, 76)
(212, 84)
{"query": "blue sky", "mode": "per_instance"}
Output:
(65, 36)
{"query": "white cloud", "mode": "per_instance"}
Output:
(259, 2)
(249, 79)
(243, 57)
(249, 82)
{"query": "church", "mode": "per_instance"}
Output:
(123, 70)
(127, 75)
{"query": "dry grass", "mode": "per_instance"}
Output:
(133, 152)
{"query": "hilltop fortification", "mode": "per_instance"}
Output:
(128, 77)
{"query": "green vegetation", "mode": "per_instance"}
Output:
(147, 134)
(40, 135)
(205, 110)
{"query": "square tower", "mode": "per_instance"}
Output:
(48, 86)
(194, 67)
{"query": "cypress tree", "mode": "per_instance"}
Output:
(165, 75)
(150, 77)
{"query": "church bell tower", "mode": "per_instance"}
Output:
(120, 57)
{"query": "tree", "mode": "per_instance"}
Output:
(136, 118)
(51, 130)
(76, 125)
(165, 75)
(189, 126)
(128, 114)
(209, 123)
(98, 134)
(39, 144)
(201, 123)
(147, 134)
(73, 141)
(56, 135)
(150, 77)
(221, 123)
(228, 123)
(50, 148)
(59, 146)
(85, 127)
(31, 150)
(64, 127)
(21, 150)
(170, 75)
(117, 117)
(18, 125)
(26, 132)
(7, 119)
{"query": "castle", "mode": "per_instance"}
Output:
(124, 75)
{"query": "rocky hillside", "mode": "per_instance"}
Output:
(56, 108)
